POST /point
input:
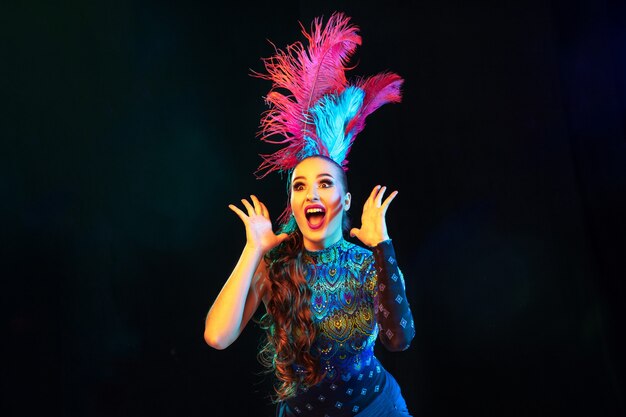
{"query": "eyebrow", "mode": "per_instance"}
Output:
(319, 175)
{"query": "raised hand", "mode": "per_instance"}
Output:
(373, 227)
(259, 233)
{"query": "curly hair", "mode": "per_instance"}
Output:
(288, 323)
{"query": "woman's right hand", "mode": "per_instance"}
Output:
(259, 233)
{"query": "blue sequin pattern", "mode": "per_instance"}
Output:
(342, 280)
(355, 294)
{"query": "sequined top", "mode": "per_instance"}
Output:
(356, 296)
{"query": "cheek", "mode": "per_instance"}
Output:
(334, 199)
(293, 201)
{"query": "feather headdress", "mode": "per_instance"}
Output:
(313, 109)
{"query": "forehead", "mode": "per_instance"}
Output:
(312, 167)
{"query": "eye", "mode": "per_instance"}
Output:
(326, 183)
(298, 186)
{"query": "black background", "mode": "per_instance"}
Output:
(128, 127)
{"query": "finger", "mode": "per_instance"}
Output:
(251, 211)
(374, 192)
(372, 196)
(238, 212)
(355, 232)
(257, 206)
(388, 201)
(379, 196)
(281, 237)
(264, 211)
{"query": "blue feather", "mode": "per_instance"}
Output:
(331, 114)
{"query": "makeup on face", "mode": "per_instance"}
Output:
(317, 202)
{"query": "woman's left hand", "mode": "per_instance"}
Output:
(373, 227)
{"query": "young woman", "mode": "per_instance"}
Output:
(327, 300)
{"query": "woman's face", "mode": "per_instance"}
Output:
(318, 201)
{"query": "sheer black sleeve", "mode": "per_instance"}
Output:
(392, 309)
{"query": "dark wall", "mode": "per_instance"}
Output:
(128, 127)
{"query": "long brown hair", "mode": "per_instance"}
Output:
(288, 322)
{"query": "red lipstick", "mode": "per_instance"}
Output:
(315, 215)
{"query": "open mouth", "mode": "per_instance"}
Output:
(315, 216)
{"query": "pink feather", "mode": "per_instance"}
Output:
(379, 89)
(307, 74)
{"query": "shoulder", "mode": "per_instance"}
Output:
(355, 249)
(362, 261)
(358, 255)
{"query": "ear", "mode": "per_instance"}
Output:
(347, 200)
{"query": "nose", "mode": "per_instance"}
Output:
(312, 194)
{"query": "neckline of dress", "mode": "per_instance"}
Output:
(326, 249)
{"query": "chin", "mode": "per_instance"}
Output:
(314, 235)
(320, 235)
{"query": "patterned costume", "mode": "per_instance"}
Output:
(357, 296)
